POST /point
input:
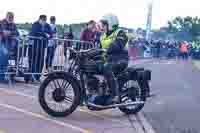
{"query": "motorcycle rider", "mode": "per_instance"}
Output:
(114, 41)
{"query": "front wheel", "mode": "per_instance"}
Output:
(59, 94)
(133, 91)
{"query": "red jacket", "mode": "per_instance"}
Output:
(88, 35)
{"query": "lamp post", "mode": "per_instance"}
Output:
(149, 19)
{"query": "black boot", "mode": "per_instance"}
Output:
(115, 96)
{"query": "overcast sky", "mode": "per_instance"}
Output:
(131, 13)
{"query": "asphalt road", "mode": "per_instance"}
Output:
(21, 113)
(175, 109)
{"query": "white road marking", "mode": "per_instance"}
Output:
(82, 110)
(159, 102)
(75, 128)
(17, 93)
(146, 125)
(138, 127)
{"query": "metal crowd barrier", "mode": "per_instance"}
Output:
(136, 51)
(61, 53)
(30, 57)
(8, 57)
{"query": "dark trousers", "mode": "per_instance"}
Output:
(108, 70)
(184, 55)
(50, 56)
(36, 58)
(111, 81)
(157, 52)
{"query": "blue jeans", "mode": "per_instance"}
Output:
(50, 56)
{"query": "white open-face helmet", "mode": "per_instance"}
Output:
(111, 19)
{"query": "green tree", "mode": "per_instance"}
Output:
(187, 25)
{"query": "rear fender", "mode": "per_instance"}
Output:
(139, 74)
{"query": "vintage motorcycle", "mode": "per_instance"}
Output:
(63, 91)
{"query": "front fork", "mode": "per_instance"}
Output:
(83, 90)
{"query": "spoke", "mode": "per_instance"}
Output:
(68, 99)
(62, 83)
(49, 96)
(58, 83)
(65, 84)
(60, 107)
(57, 107)
(54, 106)
(54, 84)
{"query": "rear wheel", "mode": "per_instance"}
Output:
(59, 94)
(133, 91)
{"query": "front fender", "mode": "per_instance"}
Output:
(64, 74)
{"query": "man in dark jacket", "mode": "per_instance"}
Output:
(8, 32)
(40, 34)
(68, 35)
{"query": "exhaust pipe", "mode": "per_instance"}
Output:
(115, 105)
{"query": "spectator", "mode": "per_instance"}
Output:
(158, 48)
(184, 50)
(8, 31)
(52, 43)
(103, 27)
(68, 35)
(88, 34)
(37, 50)
(98, 34)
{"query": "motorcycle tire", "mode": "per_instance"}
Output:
(143, 85)
(75, 87)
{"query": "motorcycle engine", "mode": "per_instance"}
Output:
(96, 90)
(92, 84)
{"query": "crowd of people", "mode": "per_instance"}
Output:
(42, 36)
(40, 29)
(169, 49)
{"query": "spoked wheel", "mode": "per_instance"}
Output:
(133, 91)
(59, 95)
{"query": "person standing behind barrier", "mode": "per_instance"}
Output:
(88, 34)
(8, 34)
(158, 47)
(184, 50)
(52, 43)
(37, 51)
(68, 35)
(98, 35)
